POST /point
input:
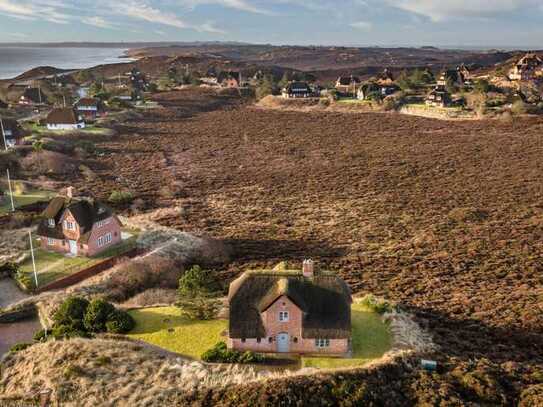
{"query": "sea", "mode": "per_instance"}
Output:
(17, 60)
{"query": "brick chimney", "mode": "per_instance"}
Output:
(308, 268)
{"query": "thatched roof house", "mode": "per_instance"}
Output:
(283, 310)
(66, 118)
(529, 67)
(296, 89)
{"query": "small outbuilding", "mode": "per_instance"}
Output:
(89, 108)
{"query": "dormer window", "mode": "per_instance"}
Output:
(69, 225)
(51, 223)
(283, 316)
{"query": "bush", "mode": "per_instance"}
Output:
(42, 335)
(71, 312)
(68, 331)
(197, 281)
(376, 305)
(98, 313)
(19, 347)
(8, 270)
(519, 107)
(121, 197)
(120, 322)
(199, 308)
(221, 354)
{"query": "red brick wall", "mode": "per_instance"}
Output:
(112, 227)
(70, 234)
(293, 327)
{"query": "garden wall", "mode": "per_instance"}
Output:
(89, 272)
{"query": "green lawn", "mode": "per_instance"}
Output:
(52, 266)
(25, 198)
(89, 128)
(371, 340)
(167, 328)
(353, 101)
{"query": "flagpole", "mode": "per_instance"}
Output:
(10, 191)
(33, 260)
(3, 134)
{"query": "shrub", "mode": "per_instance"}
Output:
(377, 305)
(221, 354)
(519, 107)
(197, 281)
(98, 313)
(121, 197)
(67, 331)
(42, 335)
(19, 347)
(8, 270)
(199, 308)
(86, 145)
(71, 312)
(120, 322)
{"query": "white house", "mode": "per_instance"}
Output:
(65, 118)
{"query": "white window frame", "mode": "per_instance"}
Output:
(50, 241)
(322, 343)
(51, 223)
(69, 225)
(284, 316)
(108, 238)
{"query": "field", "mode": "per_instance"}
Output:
(167, 328)
(23, 198)
(443, 217)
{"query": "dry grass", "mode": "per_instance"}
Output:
(107, 373)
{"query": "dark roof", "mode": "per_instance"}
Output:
(34, 94)
(14, 126)
(65, 115)
(324, 299)
(298, 87)
(88, 102)
(85, 211)
(3, 105)
(228, 75)
(348, 80)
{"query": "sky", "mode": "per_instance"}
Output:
(477, 23)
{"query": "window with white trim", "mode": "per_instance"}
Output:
(322, 343)
(50, 241)
(69, 225)
(103, 240)
(283, 316)
(51, 223)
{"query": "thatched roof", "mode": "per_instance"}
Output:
(325, 301)
(85, 211)
(297, 86)
(65, 115)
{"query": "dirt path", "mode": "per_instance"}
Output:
(10, 293)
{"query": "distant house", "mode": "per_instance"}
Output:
(296, 89)
(229, 79)
(375, 90)
(65, 118)
(528, 68)
(32, 96)
(386, 78)
(89, 108)
(12, 132)
(347, 85)
(286, 311)
(78, 226)
(439, 97)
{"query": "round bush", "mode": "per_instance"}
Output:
(71, 310)
(97, 315)
(120, 322)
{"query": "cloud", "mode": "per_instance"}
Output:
(446, 9)
(97, 22)
(242, 5)
(141, 11)
(47, 10)
(362, 25)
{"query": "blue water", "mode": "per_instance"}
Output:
(16, 60)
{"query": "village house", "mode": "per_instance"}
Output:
(32, 96)
(78, 226)
(229, 79)
(296, 89)
(12, 132)
(65, 118)
(439, 97)
(89, 108)
(347, 85)
(286, 311)
(529, 67)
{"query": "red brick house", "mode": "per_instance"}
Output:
(78, 226)
(286, 311)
